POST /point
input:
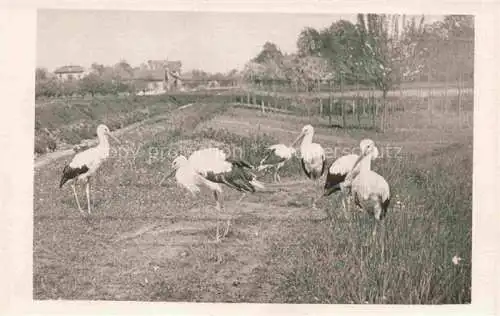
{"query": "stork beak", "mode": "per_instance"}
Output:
(167, 176)
(298, 138)
(375, 153)
(363, 154)
(114, 138)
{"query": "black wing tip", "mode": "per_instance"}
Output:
(385, 206)
(241, 163)
(308, 174)
(330, 190)
(71, 173)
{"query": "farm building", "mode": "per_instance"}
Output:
(70, 72)
(160, 76)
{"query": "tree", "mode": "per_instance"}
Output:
(41, 74)
(92, 84)
(269, 52)
(309, 42)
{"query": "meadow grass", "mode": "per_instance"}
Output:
(148, 242)
(410, 262)
(428, 223)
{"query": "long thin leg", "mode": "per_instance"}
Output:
(228, 222)
(277, 177)
(87, 189)
(317, 186)
(243, 195)
(218, 208)
(76, 198)
(377, 212)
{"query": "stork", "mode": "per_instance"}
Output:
(84, 164)
(210, 167)
(313, 158)
(337, 173)
(275, 157)
(369, 189)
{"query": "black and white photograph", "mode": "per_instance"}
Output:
(253, 157)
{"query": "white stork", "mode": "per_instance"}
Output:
(369, 189)
(337, 173)
(275, 157)
(313, 156)
(85, 164)
(210, 167)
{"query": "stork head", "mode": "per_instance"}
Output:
(368, 147)
(179, 162)
(307, 130)
(103, 131)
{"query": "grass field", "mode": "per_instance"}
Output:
(154, 243)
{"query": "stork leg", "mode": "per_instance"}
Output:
(243, 195)
(317, 188)
(218, 208)
(276, 175)
(377, 211)
(87, 189)
(76, 198)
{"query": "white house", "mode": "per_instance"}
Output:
(70, 72)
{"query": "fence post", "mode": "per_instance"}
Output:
(373, 107)
(275, 92)
(356, 102)
(429, 95)
(330, 99)
(460, 96)
(342, 100)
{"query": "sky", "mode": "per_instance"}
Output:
(214, 42)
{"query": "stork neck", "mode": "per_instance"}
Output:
(103, 142)
(365, 164)
(307, 140)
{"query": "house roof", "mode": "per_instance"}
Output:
(149, 75)
(69, 69)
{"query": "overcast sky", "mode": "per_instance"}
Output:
(209, 41)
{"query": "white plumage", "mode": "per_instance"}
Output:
(275, 157)
(337, 173)
(85, 164)
(369, 189)
(210, 167)
(313, 156)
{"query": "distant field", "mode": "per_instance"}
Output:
(63, 123)
(154, 243)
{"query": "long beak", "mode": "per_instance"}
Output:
(298, 138)
(363, 155)
(167, 176)
(114, 138)
(350, 175)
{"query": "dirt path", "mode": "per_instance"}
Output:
(154, 123)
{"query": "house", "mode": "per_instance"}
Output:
(70, 72)
(152, 81)
(159, 76)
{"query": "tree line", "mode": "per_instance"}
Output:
(113, 80)
(380, 50)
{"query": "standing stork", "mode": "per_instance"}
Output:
(86, 163)
(275, 157)
(210, 167)
(337, 173)
(313, 158)
(369, 189)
